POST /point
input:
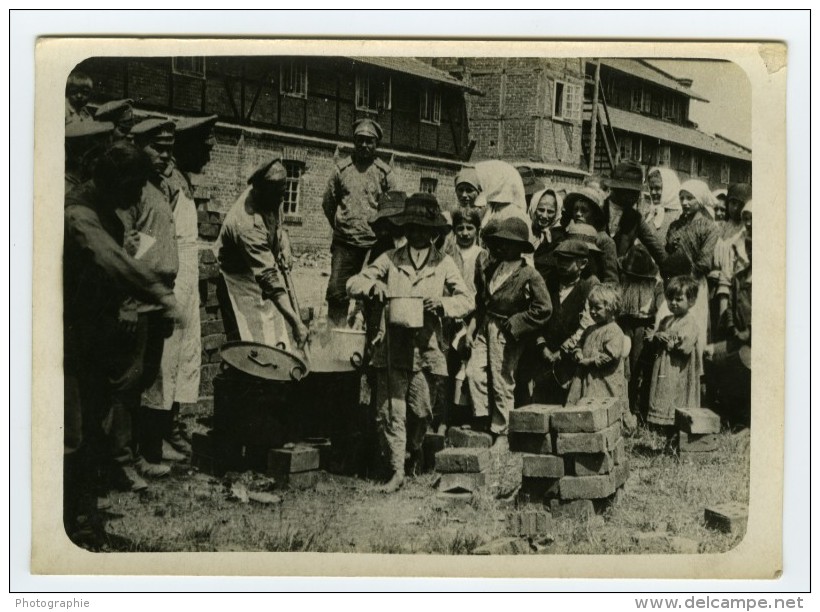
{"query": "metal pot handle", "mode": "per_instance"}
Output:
(297, 372)
(252, 356)
(356, 360)
(280, 345)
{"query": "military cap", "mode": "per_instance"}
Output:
(117, 111)
(367, 127)
(157, 129)
(81, 129)
(271, 171)
(189, 125)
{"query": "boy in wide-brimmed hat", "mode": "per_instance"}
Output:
(511, 303)
(587, 208)
(408, 360)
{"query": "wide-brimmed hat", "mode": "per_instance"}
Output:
(512, 229)
(391, 204)
(638, 262)
(585, 233)
(592, 195)
(421, 209)
(739, 191)
(627, 175)
(572, 248)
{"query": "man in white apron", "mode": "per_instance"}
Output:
(250, 248)
(178, 379)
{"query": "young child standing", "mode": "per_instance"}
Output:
(409, 361)
(600, 354)
(512, 302)
(676, 372)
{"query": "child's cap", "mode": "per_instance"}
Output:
(511, 229)
(585, 233)
(572, 248)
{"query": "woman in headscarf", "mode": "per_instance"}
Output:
(502, 193)
(664, 188)
(730, 250)
(690, 244)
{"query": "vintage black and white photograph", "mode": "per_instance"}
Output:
(407, 305)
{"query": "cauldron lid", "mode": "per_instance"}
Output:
(263, 361)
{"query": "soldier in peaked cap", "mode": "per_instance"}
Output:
(350, 202)
(84, 143)
(256, 304)
(120, 113)
(178, 379)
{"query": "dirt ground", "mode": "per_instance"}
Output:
(194, 511)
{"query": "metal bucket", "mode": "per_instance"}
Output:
(336, 350)
(406, 312)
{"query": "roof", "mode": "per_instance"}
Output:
(647, 72)
(672, 132)
(410, 65)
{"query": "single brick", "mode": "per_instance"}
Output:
(615, 407)
(208, 230)
(697, 421)
(325, 448)
(619, 475)
(579, 509)
(730, 517)
(208, 270)
(542, 466)
(453, 499)
(533, 443)
(697, 443)
(292, 460)
(528, 522)
(586, 487)
(458, 437)
(461, 482)
(538, 490)
(534, 418)
(452, 460)
(597, 442)
(591, 464)
(580, 419)
(298, 480)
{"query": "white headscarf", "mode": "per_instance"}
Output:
(559, 204)
(670, 197)
(500, 183)
(702, 194)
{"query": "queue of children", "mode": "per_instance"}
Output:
(548, 310)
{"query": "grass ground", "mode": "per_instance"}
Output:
(191, 511)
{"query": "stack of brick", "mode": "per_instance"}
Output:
(294, 467)
(697, 431)
(212, 327)
(571, 452)
(463, 469)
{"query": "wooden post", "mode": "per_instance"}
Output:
(594, 118)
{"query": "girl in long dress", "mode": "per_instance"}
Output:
(600, 355)
(675, 379)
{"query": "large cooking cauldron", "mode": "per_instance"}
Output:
(256, 400)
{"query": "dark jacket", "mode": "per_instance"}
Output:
(631, 227)
(522, 299)
(566, 316)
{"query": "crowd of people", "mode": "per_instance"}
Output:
(547, 297)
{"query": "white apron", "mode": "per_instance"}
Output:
(178, 377)
(257, 319)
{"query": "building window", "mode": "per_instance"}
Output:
(567, 100)
(725, 174)
(637, 100)
(293, 79)
(290, 202)
(189, 66)
(430, 106)
(664, 155)
(428, 185)
(373, 93)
